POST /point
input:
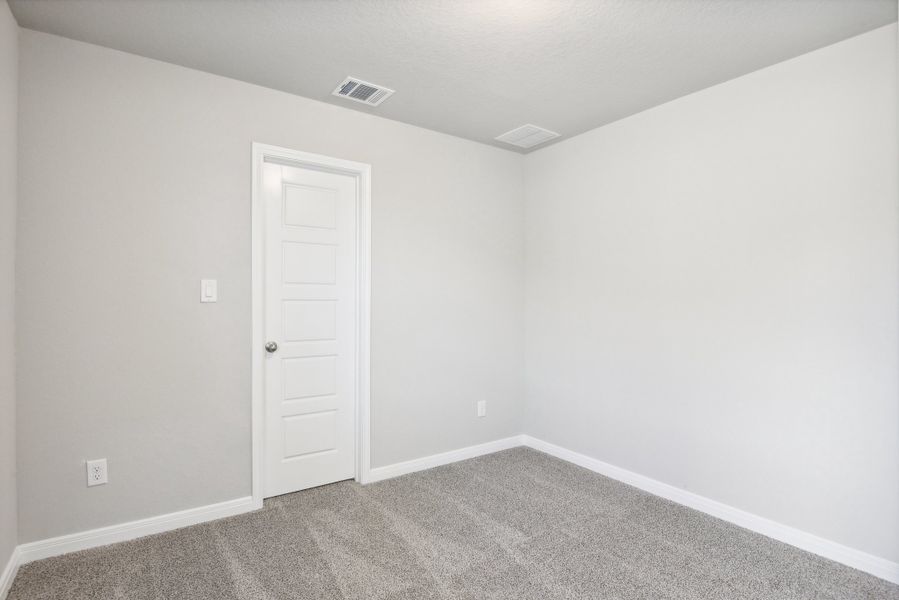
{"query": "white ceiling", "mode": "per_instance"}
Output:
(472, 68)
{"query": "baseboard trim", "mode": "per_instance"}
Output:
(879, 567)
(134, 529)
(9, 573)
(444, 458)
(128, 531)
(857, 559)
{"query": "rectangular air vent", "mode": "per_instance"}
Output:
(362, 91)
(527, 136)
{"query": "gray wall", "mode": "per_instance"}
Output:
(135, 184)
(713, 293)
(9, 67)
(711, 287)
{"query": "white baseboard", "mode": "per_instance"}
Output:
(64, 544)
(436, 460)
(851, 557)
(9, 573)
(133, 529)
(879, 567)
(128, 531)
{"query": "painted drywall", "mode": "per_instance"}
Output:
(134, 185)
(9, 81)
(712, 292)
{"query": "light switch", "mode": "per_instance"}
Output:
(209, 290)
(482, 408)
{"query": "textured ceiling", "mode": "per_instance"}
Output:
(472, 68)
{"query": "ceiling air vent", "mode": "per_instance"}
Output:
(527, 136)
(362, 91)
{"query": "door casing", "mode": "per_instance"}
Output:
(362, 173)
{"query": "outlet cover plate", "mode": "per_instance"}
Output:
(96, 472)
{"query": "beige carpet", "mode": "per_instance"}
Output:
(513, 525)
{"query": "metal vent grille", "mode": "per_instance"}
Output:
(527, 136)
(362, 91)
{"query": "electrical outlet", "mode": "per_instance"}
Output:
(96, 472)
(482, 408)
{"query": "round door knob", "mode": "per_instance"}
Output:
(271, 347)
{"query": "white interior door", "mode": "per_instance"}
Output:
(310, 308)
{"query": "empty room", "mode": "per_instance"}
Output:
(449, 299)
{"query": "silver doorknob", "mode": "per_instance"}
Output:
(271, 347)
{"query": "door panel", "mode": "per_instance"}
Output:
(307, 434)
(309, 377)
(310, 320)
(310, 307)
(310, 207)
(310, 263)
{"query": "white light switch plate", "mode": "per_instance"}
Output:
(209, 290)
(482, 408)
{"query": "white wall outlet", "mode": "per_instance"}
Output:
(209, 290)
(96, 472)
(482, 408)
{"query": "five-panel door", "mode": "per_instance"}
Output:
(310, 308)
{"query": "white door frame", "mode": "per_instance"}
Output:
(362, 173)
